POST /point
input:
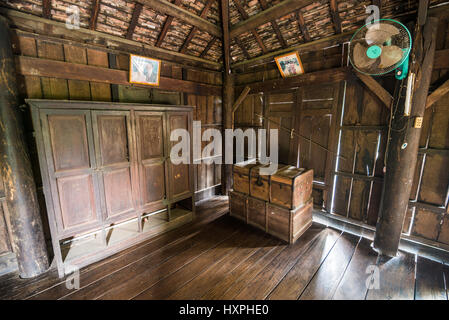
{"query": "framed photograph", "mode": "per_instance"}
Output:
(290, 64)
(144, 70)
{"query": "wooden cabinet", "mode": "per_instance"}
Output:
(105, 163)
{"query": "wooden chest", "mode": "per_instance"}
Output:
(257, 213)
(241, 175)
(291, 187)
(237, 205)
(287, 224)
(259, 185)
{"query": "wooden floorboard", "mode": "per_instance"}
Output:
(261, 285)
(297, 279)
(396, 278)
(219, 257)
(430, 282)
(327, 278)
(358, 276)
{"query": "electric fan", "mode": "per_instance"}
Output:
(380, 47)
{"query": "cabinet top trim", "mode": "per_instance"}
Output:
(72, 104)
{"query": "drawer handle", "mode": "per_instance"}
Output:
(259, 181)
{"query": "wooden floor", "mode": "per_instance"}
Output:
(217, 257)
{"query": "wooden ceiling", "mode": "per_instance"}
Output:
(194, 27)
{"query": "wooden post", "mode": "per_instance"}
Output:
(26, 224)
(404, 143)
(228, 92)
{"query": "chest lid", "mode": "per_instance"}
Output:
(245, 166)
(255, 171)
(287, 174)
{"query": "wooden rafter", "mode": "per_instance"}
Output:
(166, 27)
(134, 20)
(274, 25)
(173, 10)
(46, 9)
(242, 47)
(94, 14)
(335, 16)
(195, 29)
(302, 26)
(245, 16)
(378, 3)
(275, 12)
(209, 45)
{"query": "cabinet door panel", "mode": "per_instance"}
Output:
(80, 209)
(113, 146)
(179, 175)
(68, 134)
(118, 192)
(154, 178)
(71, 161)
(151, 158)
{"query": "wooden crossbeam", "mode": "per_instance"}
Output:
(302, 26)
(376, 88)
(94, 14)
(239, 101)
(242, 47)
(134, 20)
(173, 10)
(195, 29)
(325, 76)
(437, 94)
(29, 66)
(275, 12)
(245, 16)
(274, 25)
(209, 45)
(46, 9)
(335, 16)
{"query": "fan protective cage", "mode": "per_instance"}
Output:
(402, 40)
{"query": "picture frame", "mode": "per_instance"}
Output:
(144, 70)
(290, 64)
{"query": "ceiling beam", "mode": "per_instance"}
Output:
(273, 13)
(242, 47)
(335, 16)
(378, 3)
(274, 25)
(245, 16)
(302, 26)
(172, 10)
(134, 20)
(84, 36)
(226, 36)
(166, 27)
(46, 9)
(94, 14)
(209, 45)
(315, 45)
(195, 29)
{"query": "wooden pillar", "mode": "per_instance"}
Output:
(404, 144)
(228, 92)
(26, 224)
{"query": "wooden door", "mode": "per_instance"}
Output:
(114, 155)
(69, 152)
(151, 155)
(179, 175)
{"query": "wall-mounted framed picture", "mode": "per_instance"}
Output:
(144, 70)
(290, 64)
